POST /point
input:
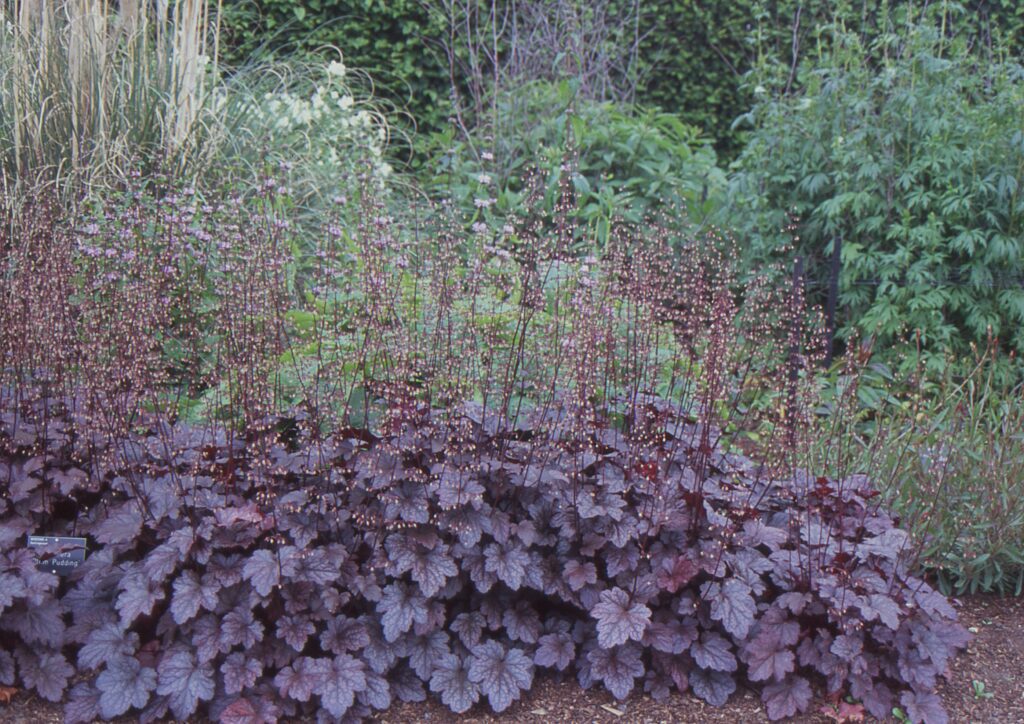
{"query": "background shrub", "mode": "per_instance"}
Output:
(908, 155)
(622, 164)
(695, 57)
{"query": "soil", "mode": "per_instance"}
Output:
(995, 658)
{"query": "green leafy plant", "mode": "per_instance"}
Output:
(900, 162)
(980, 692)
(621, 164)
(694, 56)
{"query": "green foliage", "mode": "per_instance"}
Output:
(312, 126)
(910, 151)
(692, 56)
(980, 692)
(622, 164)
(395, 41)
(695, 55)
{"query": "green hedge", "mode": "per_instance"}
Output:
(693, 58)
(698, 52)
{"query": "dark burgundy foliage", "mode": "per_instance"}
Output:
(392, 563)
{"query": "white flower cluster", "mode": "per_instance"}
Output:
(327, 127)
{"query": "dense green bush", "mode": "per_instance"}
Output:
(622, 163)
(909, 151)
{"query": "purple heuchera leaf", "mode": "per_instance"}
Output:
(377, 693)
(768, 655)
(621, 559)
(139, 594)
(619, 621)
(933, 603)
(431, 569)
(424, 651)
(786, 698)
(301, 679)
(875, 695)
(399, 607)
(295, 630)
(938, 640)
(756, 533)
(162, 561)
(121, 525)
(191, 594)
(714, 652)
(6, 668)
(579, 574)
(617, 668)
(343, 635)
(47, 672)
(208, 637)
(556, 650)
(673, 636)
(847, 647)
(125, 684)
(342, 678)
(406, 685)
(83, 705)
(924, 707)
(881, 607)
(238, 628)
(106, 643)
(451, 680)
(888, 545)
(469, 626)
(508, 562)
(732, 604)
(455, 489)
(793, 602)
(263, 571)
(240, 711)
(240, 672)
(522, 623)
(184, 681)
(714, 687)
(313, 565)
(379, 654)
(500, 674)
(38, 624)
(11, 588)
(675, 572)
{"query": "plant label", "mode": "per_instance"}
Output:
(58, 554)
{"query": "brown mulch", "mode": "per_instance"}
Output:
(995, 658)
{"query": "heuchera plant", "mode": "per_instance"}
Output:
(449, 552)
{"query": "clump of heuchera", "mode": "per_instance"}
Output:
(448, 558)
(453, 463)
